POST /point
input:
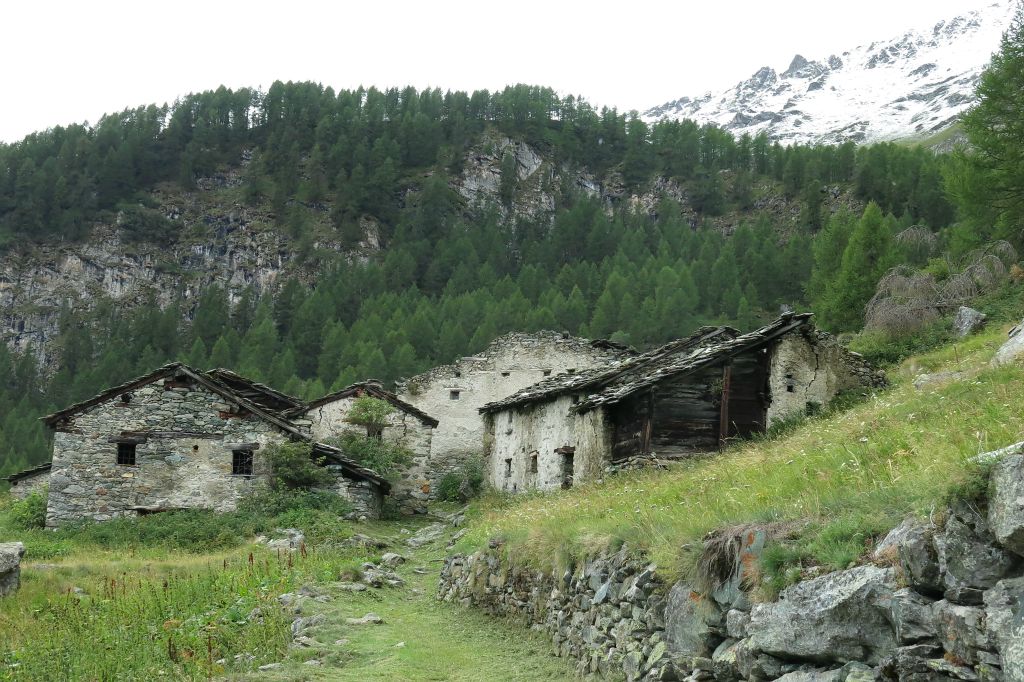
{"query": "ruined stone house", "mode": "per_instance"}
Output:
(178, 438)
(327, 418)
(454, 393)
(682, 399)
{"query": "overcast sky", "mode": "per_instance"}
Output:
(64, 62)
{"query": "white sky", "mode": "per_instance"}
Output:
(72, 61)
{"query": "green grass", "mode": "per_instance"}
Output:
(830, 486)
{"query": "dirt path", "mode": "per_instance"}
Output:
(419, 639)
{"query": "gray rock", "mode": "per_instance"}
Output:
(754, 664)
(962, 630)
(812, 676)
(732, 593)
(967, 321)
(922, 381)
(912, 616)
(919, 559)
(1004, 609)
(969, 554)
(10, 566)
(842, 616)
(392, 559)
(368, 619)
(724, 660)
(1012, 349)
(426, 535)
(286, 538)
(855, 671)
(270, 666)
(736, 623)
(688, 620)
(1006, 503)
(910, 663)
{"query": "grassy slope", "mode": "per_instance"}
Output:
(833, 484)
(201, 602)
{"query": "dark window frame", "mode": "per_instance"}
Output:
(126, 454)
(454, 395)
(242, 462)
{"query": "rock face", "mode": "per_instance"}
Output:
(960, 618)
(967, 321)
(10, 566)
(838, 617)
(1012, 349)
(1006, 503)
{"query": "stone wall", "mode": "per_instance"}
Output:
(185, 460)
(24, 487)
(411, 491)
(520, 437)
(453, 394)
(808, 369)
(933, 603)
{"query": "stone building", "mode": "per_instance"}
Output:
(178, 438)
(454, 393)
(24, 483)
(407, 426)
(685, 398)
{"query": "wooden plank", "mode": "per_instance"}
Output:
(723, 425)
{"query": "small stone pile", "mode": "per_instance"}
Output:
(938, 602)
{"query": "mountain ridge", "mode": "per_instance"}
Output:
(914, 85)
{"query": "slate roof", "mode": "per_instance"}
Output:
(371, 388)
(609, 385)
(595, 378)
(32, 471)
(266, 397)
(218, 388)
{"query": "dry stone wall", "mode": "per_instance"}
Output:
(935, 603)
(24, 487)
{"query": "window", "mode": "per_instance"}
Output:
(453, 395)
(508, 468)
(375, 431)
(533, 462)
(568, 465)
(126, 454)
(505, 374)
(547, 372)
(241, 462)
(790, 384)
(458, 374)
(575, 400)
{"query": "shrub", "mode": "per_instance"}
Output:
(384, 457)
(293, 467)
(30, 512)
(370, 412)
(464, 484)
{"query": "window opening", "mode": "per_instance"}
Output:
(547, 372)
(533, 462)
(375, 431)
(568, 466)
(458, 374)
(453, 395)
(241, 462)
(505, 374)
(508, 467)
(126, 454)
(790, 384)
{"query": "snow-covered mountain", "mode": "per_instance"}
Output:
(911, 86)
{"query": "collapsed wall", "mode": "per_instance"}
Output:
(934, 602)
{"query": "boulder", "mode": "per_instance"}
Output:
(919, 559)
(922, 381)
(368, 619)
(426, 535)
(10, 566)
(962, 630)
(1012, 349)
(391, 559)
(1004, 609)
(285, 538)
(910, 663)
(972, 560)
(1006, 503)
(754, 664)
(813, 675)
(912, 616)
(967, 321)
(731, 593)
(839, 617)
(689, 618)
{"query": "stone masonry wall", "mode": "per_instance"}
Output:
(30, 484)
(933, 603)
(411, 491)
(516, 435)
(808, 369)
(170, 472)
(510, 363)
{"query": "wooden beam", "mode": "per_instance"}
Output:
(723, 423)
(645, 445)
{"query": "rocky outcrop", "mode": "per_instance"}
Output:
(10, 566)
(1013, 349)
(936, 602)
(967, 321)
